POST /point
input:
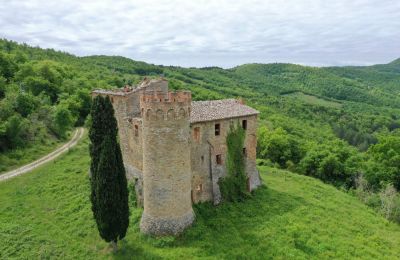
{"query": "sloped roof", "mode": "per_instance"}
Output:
(219, 109)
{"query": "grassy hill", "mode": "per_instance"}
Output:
(46, 214)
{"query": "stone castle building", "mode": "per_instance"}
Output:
(175, 149)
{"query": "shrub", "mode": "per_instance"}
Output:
(132, 193)
(390, 203)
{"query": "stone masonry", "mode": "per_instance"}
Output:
(175, 149)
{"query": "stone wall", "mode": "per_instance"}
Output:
(166, 164)
(205, 144)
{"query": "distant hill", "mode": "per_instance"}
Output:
(395, 62)
(64, 82)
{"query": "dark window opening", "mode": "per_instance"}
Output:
(202, 158)
(196, 134)
(244, 124)
(217, 129)
(136, 130)
(245, 152)
(218, 158)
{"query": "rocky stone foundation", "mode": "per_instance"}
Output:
(165, 226)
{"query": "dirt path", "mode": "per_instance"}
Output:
(51, 156)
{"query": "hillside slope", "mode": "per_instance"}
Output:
(46, 214)
(45, 93)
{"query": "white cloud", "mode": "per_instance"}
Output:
(219, 32)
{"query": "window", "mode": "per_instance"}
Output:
(202, 159)
(244, 124)
(112, 100)
(136, 130)
(244, 152)
(196, 134)
(217, 129)
(199, 187)
(218, 159)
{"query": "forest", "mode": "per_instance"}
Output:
(338, 124)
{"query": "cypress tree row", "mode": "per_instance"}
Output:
(109, 191)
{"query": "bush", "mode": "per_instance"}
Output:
(390, 203)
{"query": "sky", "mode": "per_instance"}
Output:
(198, 33)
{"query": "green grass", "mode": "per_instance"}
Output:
(46, 214)
(19, 157)
(313, 100)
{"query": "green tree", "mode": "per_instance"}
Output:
(14, 130)
(279, 146)
(62, 120)
(39, 85)
(2, 87)
(109, 190)
(384, 165)
(7, 66)
(25, 104)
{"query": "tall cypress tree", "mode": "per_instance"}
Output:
(109, 191)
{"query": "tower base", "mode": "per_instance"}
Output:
(165, 226)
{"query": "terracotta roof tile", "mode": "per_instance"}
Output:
(219, 109)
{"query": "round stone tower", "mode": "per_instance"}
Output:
(166, 162)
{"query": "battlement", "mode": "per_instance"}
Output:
(158, 105)
(170, 97)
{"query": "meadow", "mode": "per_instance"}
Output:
(46, 214)
(18, 157)
(314, 100)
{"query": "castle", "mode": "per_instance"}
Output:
(175, 149)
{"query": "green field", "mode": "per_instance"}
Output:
(46, 214)
(314, 100)
(15, 158)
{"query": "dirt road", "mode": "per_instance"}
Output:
(49, 157)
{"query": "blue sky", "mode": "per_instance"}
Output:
(212, 33)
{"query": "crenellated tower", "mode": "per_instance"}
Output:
(166, 162)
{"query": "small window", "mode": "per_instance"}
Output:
(199, 187)
(196, 134)
(202, 158)
(218, 159)
(112, 100)
(245, 152)
(217, 129)
(244, 124)
(136, 130)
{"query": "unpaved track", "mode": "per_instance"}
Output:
(49, 157)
